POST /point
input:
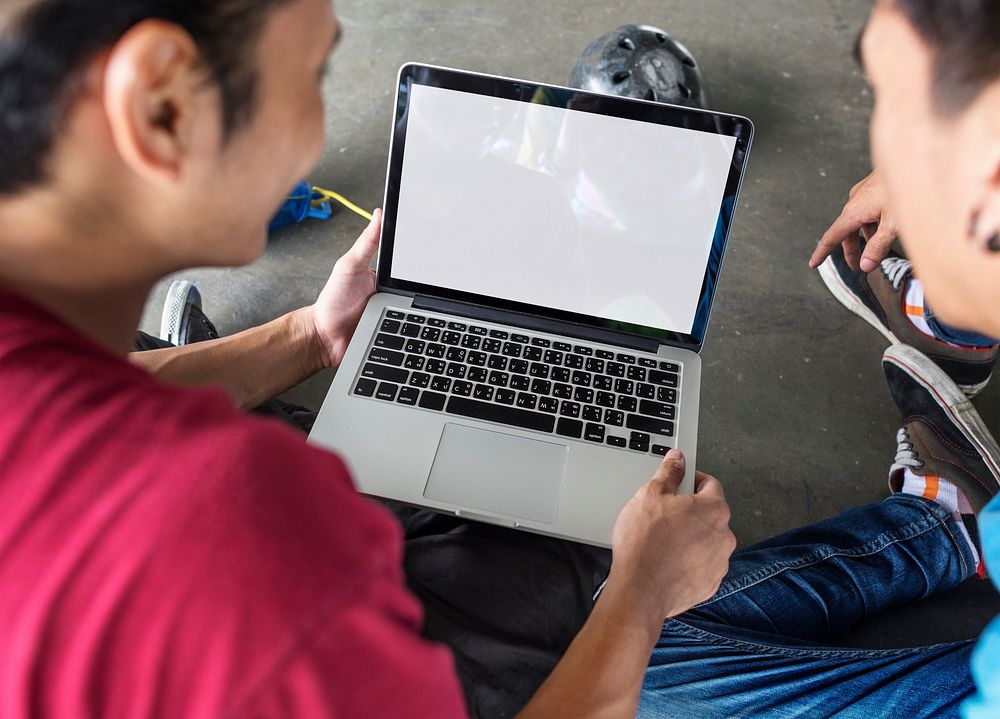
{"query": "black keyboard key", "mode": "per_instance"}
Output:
(477, 330)
(431, 334)
(499, 334)
(456, 371)
(527, 401)
(532, 354)
(415, 362)
(617, 441)
(562, 346)
(569, 427)
(592, 414)
(585, 351)
(605, 399)
(499, 379)
(497, 362)
(433, 400)
(415, 347)
(504, 415)
(615, 369)
(656, 409)
(462, 389)
(602, 381)
(594, 433)
(520, 383)
(624, 386)
(436, 366)
(637, 373)
(541, 342)
(573, 361)
(646, 391)
(408, 395)
(511, 349)
(559, 374)
(541, 386)
(436, 322)
(604, 354)
(387, 391)
(569, 409)
(660, 449)
(457, 326)
(614, 417)
(410, 330)
(390, 326)
(394, 315)
(651, 425)
(451, 338)
(670, 367)
(366, 387)
(595, 365)
(518, 366)
(639, 442)
(581, 378)
(420, 379)
(627, 404)
(477, 359)
(548, 404)
(390, 342)
(666, 395)
(627, 359)
(665, 379)
(441, 384)
(455, 354)
(553, 357)
(390, 374)
(435, 350)
(647, 362)
(562, 391)
(584, 394)
(539, 370)
(492, 346)
(505, 396)
(471, 342)
(478, 374)
(522, 339)
(416, 318)
(483, 392)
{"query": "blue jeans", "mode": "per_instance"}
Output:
(955, 336)
(756, 648)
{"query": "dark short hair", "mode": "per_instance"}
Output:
(964, 36)
(46, 46)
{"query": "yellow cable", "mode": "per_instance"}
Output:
(336, 197)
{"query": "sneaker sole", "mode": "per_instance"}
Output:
(843, 294)
(173, 311)
(951, 399)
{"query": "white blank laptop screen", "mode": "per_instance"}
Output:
(570, 210)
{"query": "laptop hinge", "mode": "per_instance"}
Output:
(534, 322)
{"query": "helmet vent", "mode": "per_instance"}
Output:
(621, 76)
(661, 37)
(625, 43)
(689, 61)
(650, 95)
(685, 90)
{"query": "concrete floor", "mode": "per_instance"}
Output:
(796, 419)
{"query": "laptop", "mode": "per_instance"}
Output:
(547, 268)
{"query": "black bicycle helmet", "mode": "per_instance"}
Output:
(644, 62)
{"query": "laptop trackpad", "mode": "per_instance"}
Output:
(499, 473)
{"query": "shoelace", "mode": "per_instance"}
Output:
(896, 269)
(905, 455)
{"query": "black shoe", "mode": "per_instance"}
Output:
(183, 322)
(942, 434)
(878, 297)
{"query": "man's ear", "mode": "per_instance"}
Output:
(151, 84)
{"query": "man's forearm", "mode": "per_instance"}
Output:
(252, 366)
(601, 673)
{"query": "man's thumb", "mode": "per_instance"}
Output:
(671, 472)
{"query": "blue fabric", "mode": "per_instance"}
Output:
(756, 649)
(956, 336)
(986, 660)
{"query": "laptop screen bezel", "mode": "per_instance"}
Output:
(524, 91)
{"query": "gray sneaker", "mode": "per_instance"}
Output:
(183, 322)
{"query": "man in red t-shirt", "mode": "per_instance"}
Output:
(161, 552)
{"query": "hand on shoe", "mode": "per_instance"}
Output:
(670, 551)
(867, 210)
(338, 310)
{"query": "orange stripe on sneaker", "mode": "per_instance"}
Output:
(914, 311)
(931, 487)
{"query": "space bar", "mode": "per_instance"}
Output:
(499, 413)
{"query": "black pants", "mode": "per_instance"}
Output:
(507, 603)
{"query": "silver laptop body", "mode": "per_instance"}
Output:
(547, 268)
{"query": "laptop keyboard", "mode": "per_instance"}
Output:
(522, 380)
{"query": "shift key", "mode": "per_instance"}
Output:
(389, 374)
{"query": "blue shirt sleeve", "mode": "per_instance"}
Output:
(986, 658)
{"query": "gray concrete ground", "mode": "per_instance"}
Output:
(796, 418)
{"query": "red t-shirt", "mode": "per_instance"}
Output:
(164, 555)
